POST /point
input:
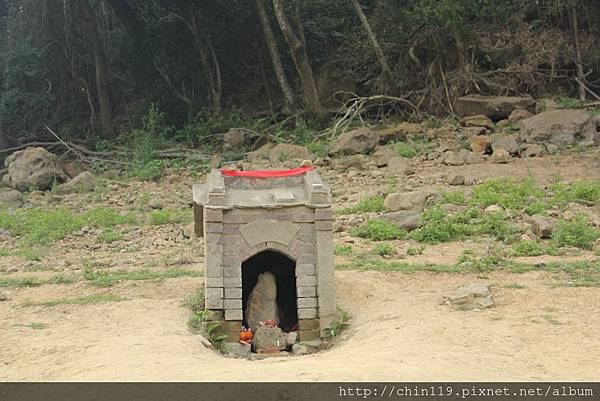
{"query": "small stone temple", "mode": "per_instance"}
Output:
(267, 223)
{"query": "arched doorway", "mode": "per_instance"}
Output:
(284, 270)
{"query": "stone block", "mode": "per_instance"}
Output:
(232, 329)
(214, 298)
(306, 270)
(229, 272)
(214, 282)
(232, 217)
(306, 291)
(324, 225)
(233, 293)
(213, 271)
(308, 324)
(269, 230)
(307, 313)
(306, 258)
(232, 282)
(231, 261)
(216, 228)
(308, 335)
(234, 314)
(306, 281)
(306, 237)
(306, 302)
(306, 228)
(232, 250)
(305, 217)
(324, 214)
(213, 215)
(232, 304)
(231, 229)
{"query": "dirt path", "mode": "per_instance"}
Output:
(399, 331)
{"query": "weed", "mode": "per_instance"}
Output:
(383, 249)
(107, 217)
(170, 216)
(378, 230)
(109, 236)
(407, 150)
(89, 299)
(527, 248)
(38, 226)
(587, 191)
(213, 330)
(338, 325)
(454, 197)
(196, 322)
(195, 301)
(20, 282)
(569, 102)
(32, 254)
(506, 193)
(415, 250)
(575, 233)
(367, 205)
(343, 250)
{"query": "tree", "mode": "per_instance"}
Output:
(298, 51)
(86, 22)
(288, 94)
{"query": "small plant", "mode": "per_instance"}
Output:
(576, 233)
(337, 326)
(367, 205)
(407, 150)
(415, 250)
(343, 250)
(378, 230)
(569, 102)
(454, 197)
(195, 301)
(383, 249)
(196, 322)
(527, 248)
(109, 236)
(507, 193)
(213, 330)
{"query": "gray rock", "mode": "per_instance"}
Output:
(532, 150)
(10, 198)
(382, 156)
(474, 158)
(261, 304)
(360, 140)
(507, 143)
(453, 159)
(456, 179)
(518, 115)
(471, 296)
(501, 156)
(83, 182)
(541, 226)
(356, 161)
(306, 347)
(404, 219)
(268, 338)
(494, 209)
(238, 350)
(286, 151)
(291, 338)
(33, 167)
(405, 201)
(400, 166)
(561, 127)
(494, 107)
(477, 121)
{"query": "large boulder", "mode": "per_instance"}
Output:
(561, 127)
(33, 168)
(404, 219)
(83, 182)
(399, 132)
(495, 107)
(10, 198)
(360, 140)
(414, 200)
(507, 143)
(268, 339)
(287, 151)
(261, 304)
(400, 166)
(477, 121)
(471, 296)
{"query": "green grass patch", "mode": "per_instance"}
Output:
(378, 230)
(453, 197)
(170, 216)
(195, 301)
(507, 193)
(586, 191)
(32, 254)
(20, 282)
(109, 236)
(104, 278)
(368, 205)
(527, 248)
(383, 249)
(576, 233)
(90, 299)
(342, 250)
(415, 250)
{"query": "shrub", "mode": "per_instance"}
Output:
(378, 230)
(383, 249)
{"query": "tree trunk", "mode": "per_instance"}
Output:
(385, 67)
(84, 18)
(578, 60)
(288, 95)
(298, 51)
(126, 16)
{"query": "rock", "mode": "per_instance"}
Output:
(306, 347)
(532, 150)
(405, 201)
(477, 121)
(474, 158)
(33, 167)
(10, 198)
(400, 132)
(474, 131)
(494, 107)
(541, 226)
(453, 159)
(260, 153)
(400, 166)
(338, 227)
(238, 350)
(561, 127)
(83, 182)
(291, 338)
(507, 143)
(360, 140)
(404, 219)
(356, 161)
(4, 297)
(471, 296)
(546, 105)
(261, 304)
(189, 230)
(268, 338)
(494, 209)
(501, 156)
(518, 115)
(382, 156)
(286, 151)
(456, 179)
(481, 144)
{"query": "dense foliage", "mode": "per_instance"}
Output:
(91, 68)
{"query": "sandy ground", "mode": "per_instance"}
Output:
(399, 331)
